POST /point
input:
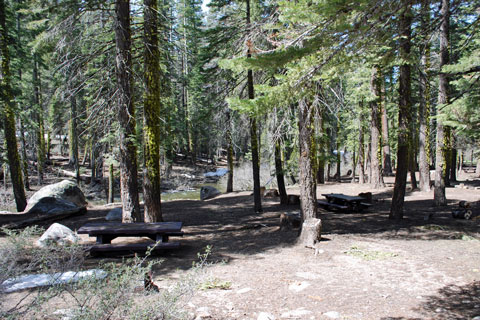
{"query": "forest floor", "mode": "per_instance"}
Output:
(366, 267)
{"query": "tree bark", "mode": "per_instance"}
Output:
(229, 154)
(404, 115)
(111, 184)
(126, 114)
(308, 201)
(424, 111)
(361, 150)
(9, 116)
(439, 196)
(253, 132)
(40, 139)
(279, 173)
(376, 167)
(387, 157)
(73, 137)
(151, 114)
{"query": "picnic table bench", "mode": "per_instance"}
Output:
(105, 232)
(344, 202)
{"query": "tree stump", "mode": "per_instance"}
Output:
(290, 220)
(311, 232)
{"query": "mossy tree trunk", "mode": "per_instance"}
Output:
(9, 115)
(152, 107)
(404, 114)
(439, 196)
(126, 114)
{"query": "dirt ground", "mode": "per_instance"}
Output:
(366, 267)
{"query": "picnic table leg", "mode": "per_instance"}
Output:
(103, 239)
(161, 238)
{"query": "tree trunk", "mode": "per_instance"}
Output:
(412, 165)
(253, 133)
(376, 167)
(424, 111)
(387, 158)
(404, 115)
(111, 184)
(309, 235)
(279, 173)
(40, 139)
(361, 150)
(453, 166)
(439, 196)
(73, 137)
(126, 114)
(229, 154)
(24, 155)
(9, 116)
(151, 114)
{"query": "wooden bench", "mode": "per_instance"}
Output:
(329, 205)
(105, 232)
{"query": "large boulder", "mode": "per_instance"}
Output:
(64, 190)
(58, 234)
(208, 192)
(114, 215)
(55, 206)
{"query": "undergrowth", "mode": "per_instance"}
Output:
(121, 295)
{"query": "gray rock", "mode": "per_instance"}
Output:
(208, 192)
(58, 234)
(114, 215)
(54, 206)
(65, 190)
(332, 314)
(476, 318)
(265, 316)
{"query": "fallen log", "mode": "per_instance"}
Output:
(37, 218)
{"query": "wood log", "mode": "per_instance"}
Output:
(30, 221)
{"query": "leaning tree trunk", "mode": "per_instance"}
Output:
(424, 111)
(404, 116)
(151, 114)
(376, 167)
(126, 114)
(439, 197)
(279, 173)
(9, 116)
(253, 132)
(311, 228)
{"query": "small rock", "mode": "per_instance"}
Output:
(332, 314)
(440, 310)
(297, 287)
(114, 215)
(65, 314)
(203, 313)
(58, 234)
(295, 313)
(208, 192)
(476, 318)
(265, 316)
(244, 290)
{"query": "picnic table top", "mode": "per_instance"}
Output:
(154, 228)
(342, 196)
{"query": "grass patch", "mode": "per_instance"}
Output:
(369, 255)
(216, 283)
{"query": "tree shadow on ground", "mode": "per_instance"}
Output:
(452, 302)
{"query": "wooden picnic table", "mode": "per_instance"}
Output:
(344, 202)
(105, 232)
